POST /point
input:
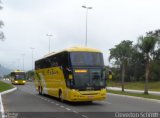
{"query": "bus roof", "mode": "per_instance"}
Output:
(17, 71)
(73, 49)
(83, 49)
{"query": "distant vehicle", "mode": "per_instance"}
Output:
(75, 74)
(18, 77)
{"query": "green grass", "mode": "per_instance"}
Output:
(4, 86)
(135, 94)
(153, 86)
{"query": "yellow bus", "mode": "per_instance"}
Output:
(74, 74)
(18, 77)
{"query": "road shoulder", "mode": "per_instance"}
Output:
(1, 103)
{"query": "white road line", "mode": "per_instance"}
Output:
(62, 106)
(8, 91)
(57, 104)
(1, 103)
(68, 109)
(52, 102)
(84, 116)
(75, 111)
(106, 102)
(1, 106)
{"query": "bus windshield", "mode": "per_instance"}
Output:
(20, 76)
(86, 59)
(91, 79)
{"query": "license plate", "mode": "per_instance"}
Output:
(90, 97)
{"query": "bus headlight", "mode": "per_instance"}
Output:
(16, 81)
(24, 81)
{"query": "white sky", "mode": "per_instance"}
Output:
(109, 22)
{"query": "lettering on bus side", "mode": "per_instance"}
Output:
(52, 72)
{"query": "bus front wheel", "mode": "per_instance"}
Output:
(60, 96)
(40, 89)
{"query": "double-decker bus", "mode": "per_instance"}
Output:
(74, 74)
(18, 77)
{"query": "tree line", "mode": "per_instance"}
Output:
(137, 62)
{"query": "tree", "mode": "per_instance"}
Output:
(1, 25)
(147, 45)
(121, 55)
(30, 74)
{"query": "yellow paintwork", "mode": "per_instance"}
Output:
(52, 80)
(81, 49)
(110, 76)
(13, 81)
(17, 71)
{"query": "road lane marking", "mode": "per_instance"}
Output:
(84, 116)
(75, 111)
(68, 109)
(61, 106)
(48, 100)
(106, 102)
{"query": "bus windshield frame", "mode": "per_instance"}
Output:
(88, 79)
(18, 75)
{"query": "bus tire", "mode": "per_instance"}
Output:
(40, 90)
(61, 96)
(42, 93)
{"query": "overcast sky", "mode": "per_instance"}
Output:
(109, 22)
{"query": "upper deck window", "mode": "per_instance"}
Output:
(86, 59)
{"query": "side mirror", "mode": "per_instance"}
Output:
(61, 67)
(70, 77)
(110, 75)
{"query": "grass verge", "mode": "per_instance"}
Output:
(135, 94)
(5, 86)
(153, 86)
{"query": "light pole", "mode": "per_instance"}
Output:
(49, 35)
(23, 60)
(32, 56)
(87, 8)
(18, 64)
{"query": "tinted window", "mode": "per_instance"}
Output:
(87, 58)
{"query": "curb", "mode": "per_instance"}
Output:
(134, 97)
(133, 91)
(8, 91)
(1, 103)
(1, 107)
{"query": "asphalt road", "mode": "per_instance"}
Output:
(26, 103)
